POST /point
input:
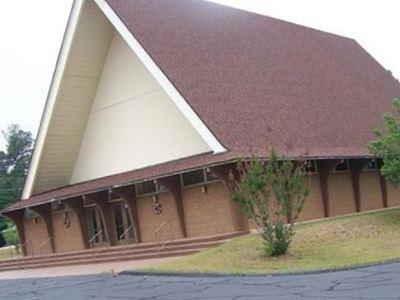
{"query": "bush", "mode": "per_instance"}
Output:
(11, 236)
(272, 194)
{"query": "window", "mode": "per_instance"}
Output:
(343, 166)
(202, 176)
(211, 176)
(311, 166)
(192, 178)
(147, 187)
(372, 165)
(150, 187)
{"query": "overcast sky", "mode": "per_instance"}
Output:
(31, 33)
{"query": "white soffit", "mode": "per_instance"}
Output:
(169, 88)
(52, 96)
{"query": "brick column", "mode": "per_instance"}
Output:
(45, 212)
(173, 185)
(324, 169)
(127, 193)
(77, 207)
(240, 222)
(101, 201)
(356, 165)
(17, 216)
(383, 184)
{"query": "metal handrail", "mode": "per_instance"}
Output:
(161, 245)
(21, 247)
(44, 243)
(126, 232)
(94, 237)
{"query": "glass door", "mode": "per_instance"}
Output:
(123, 223)
(96, 228)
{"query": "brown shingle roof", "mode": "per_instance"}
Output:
(255, 81)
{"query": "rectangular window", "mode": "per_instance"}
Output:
(311, 166)
(372, 165)
(147, 187)
(211, 176)
(343, 166)
(192, 178)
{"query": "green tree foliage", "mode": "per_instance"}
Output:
(387, 146)
(272, 194)
(14, 164)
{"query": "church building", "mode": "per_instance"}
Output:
(151, 104)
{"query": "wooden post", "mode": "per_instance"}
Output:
(383, 184)
(173, 185)
(356, 165)
(78, 208)
(223, 172)
(100, 199)
(127, 193)
(17, 216)
(45, 212)
(324, 169)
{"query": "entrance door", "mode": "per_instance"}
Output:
(96, 228)
(123, 224)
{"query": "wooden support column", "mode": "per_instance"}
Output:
(17, 216)
(238, 217)
(78, 208)
(45, 212)
(324, 169)
(383, 184)
(356, 165)
(101, 201)
(173, 184)
(127, 193)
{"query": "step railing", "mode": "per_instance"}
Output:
(123, 235)
(43, 244)
(158, 234)
(94, 237)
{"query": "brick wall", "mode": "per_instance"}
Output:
(67, 239)
(36, 234)
(149, 222)
(207, 213)
(341, 194)
(313, 206)
(370, 190)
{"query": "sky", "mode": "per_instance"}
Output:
(31, 33)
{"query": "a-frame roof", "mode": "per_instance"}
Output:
(254, 82)
(257, 81)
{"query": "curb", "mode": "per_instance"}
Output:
(277, 274)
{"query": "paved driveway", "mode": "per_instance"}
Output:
(378, 282)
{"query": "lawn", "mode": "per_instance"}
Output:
(6, 253)
(336, 243)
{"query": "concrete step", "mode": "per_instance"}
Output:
(119, 253)
(102, 260)
(133, 247)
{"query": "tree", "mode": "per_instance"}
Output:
(387, 146)
(14, 165)
(272, 194)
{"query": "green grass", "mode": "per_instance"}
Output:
(6, 253)
(342, 242)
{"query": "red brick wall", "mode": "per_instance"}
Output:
(341, 194)
(207, 213)
(36, 234)
(313, 206)
(370, 191)
(149, 222)
(67, 239)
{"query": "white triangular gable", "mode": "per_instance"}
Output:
(110, 109)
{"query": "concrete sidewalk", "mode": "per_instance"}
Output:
(81, 269)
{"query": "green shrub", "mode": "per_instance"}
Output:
(11, 236)
(272, 194)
